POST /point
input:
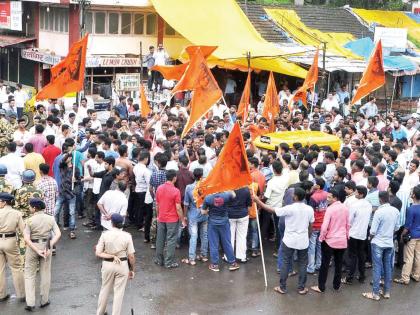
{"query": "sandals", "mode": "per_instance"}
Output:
(293, 273)
(255, 254)
(72, 235)
(371, 296)
(401, 281)
(188, 262)
(202, 258)
(303, 291)
(345, 281)
(279, 290)
(316, 289)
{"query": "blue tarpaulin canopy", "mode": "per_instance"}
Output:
(364, 46)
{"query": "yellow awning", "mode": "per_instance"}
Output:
(291, 23)
(396, 19)
(222, 23)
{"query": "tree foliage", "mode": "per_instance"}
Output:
(365, 4)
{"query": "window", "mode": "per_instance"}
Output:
(99, 23)
(125, 23)
(138, 23)
(57, 20)
(89, 22)
(151, 24)
(113, 21)
(41, 18)
(54, 20)
(169, 30)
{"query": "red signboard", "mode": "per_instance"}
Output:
(4, 14)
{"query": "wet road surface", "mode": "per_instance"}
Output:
(197, 290)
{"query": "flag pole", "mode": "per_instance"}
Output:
(261, 247)
(393, 91)
(313, 99)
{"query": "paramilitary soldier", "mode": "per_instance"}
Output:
(41, 234)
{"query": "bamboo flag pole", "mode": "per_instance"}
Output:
(261, 247)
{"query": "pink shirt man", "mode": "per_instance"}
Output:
(335, 227)
(383, 182)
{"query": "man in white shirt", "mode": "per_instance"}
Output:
(142, 214)
(21, 136)
(161, 57)
(15, 166)
(209, 144)
(230, 90)
(96, 124)
(298, 219)
(82, 110)
(329, 103)
(113, 201)
(219, 109)
(20, 98)
(359, 217)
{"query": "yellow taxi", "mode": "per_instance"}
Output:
(271, 141)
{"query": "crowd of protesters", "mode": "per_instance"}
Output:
(359, 207)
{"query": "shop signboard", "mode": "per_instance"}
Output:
(39, 56)
(127, 81)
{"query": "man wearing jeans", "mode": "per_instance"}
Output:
(196, 222)
(318, 202)
(169, 213)
(219, 229)
(298, 221)
(67, 193)
(385, 222)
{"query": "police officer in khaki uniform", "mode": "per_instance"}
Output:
(5, 186)
(10, 222)
(37, 235)
(116, 249)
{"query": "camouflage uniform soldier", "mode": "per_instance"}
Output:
(13, 122)
(22, 197)
(26, 192)
(6, 132)
(5, 186)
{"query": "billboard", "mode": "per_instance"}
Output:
(392, 38)
(11, 15)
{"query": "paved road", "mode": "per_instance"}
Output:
(196, 290)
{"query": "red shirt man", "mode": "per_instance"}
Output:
(168, 198)
(49, 153)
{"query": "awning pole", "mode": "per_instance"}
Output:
(411, 88)
(328, 86)
(393, 91)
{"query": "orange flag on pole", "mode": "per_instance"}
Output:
(271, 103)
(206, 91)
(172, 72)
(309, 84)
(245, 99)
(145, 107)
(68, 75)
(176, 72)
(373, 77)
(231, 170)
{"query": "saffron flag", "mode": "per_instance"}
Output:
(231, 170)
(68, 75)
(245, 99)
(271, 103)
(373, 77)
(144, 104)
(206, 92)
(176, 72)
(308, 84)
(172, 72)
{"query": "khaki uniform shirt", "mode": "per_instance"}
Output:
(10, 220)
(40, 225)
(116, 242)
